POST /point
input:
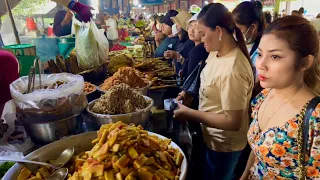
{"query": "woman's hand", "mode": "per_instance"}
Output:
(181, 96)
(83, 11)
(169, 54)
(182, 112)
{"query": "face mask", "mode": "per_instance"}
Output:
(249, 40)
(174, 30)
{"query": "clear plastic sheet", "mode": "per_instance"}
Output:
(45, 105)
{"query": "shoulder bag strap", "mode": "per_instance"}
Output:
(306, 121)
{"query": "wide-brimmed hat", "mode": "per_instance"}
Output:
(181, 19)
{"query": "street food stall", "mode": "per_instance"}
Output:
(107, 106)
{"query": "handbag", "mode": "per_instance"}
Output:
(304, 136)
(192, 83)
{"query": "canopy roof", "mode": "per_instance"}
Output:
(3, 7)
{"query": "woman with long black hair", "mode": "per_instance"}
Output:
(249, 18)
(224, 96)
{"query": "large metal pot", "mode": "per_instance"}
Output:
(44, 133)
(81, 142)
(138, 118)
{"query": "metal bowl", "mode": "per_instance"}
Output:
(81, 142)
(143, 91)
(95, 75)
(93, 94)
(138, 118)
(44, 133)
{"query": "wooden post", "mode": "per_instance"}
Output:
(12, 22)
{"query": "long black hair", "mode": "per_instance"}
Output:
(247, 13)
(204, 11)
(218, 15)
(184, 35)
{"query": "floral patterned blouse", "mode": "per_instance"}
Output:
(276, 149)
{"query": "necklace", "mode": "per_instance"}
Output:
(267, 122)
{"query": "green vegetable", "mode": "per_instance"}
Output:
(5, 167)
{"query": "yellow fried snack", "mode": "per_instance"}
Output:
(127, 152)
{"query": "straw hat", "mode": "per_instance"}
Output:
(181, 19)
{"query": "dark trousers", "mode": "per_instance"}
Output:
(220, 165)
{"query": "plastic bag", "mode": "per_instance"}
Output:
(192, 83)
(45, 105)
(112, 31)
(16, 138)
(92, 46)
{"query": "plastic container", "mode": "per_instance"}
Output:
(31, 25)
(25, 53)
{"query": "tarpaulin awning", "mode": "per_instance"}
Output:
(3, 7)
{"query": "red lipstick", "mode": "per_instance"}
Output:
(262, 78)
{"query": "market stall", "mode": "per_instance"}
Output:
(118, 95)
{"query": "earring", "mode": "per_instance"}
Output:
(220, 38)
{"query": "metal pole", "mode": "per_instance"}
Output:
(12, 22)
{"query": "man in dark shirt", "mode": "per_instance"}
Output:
(170, 42)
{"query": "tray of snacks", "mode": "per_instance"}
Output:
(129, 76)
(116, 151)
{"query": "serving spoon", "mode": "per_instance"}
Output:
(61, 160)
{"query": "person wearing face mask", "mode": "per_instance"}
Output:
(181, 52)
(170, 42)
(226, 84)
(284, 145)
(197, 54)
(249, 18)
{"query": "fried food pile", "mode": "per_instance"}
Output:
(120, 152)
(127, 75)
(88, 87)
(120, 99)
(128, 152)
(42, 173)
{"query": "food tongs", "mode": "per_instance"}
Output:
(32, 75)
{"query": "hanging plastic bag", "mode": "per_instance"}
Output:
(192, 83)
(92, 46)
(49, 104)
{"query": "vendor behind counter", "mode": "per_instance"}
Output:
(170, 42)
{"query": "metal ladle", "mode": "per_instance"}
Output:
(60, 173)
